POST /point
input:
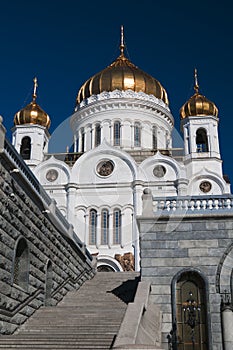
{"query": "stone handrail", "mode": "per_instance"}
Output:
(185, 204)
(134, 332)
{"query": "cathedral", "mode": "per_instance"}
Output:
(122, 199)
(122, 143)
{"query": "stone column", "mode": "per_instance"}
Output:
(98, 230)
(86, 235)
(75, 143)
(105, 131)
(126, 135)
(71, 194)
(132, 136)
(111, 134)
(87, 137)
(79, 141)
(227, 322)
(110, 230)
(126, 228)
(186, 141)
(146, 136)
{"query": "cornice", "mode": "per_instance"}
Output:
(121, 100)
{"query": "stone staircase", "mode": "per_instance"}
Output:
(85, 319)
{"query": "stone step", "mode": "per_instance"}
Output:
(88, 318)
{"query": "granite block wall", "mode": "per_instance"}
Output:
(200, 242)
(22, 219)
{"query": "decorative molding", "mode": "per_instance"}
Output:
(122, 99)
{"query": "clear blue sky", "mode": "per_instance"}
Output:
(63, 43)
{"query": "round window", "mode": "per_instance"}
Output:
(105, 168)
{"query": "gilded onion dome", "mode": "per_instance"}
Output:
(32, 113)
(122, 75)
(198, 105)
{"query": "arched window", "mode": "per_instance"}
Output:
(116, 133)
(104, 226)
(116, 226)
(202, 141)
(137, 135)
(97, 135)
(21, 264)
(191, 312)
(25, 148)
(48, 283)
(92, 226)
(154, 137)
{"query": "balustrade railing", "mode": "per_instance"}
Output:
(192, 204)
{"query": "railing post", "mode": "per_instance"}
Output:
(147, 202)
(2, 135)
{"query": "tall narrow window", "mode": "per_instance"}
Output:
(104, 226)
(116, 131)
(25, 148)
(82, 141)
(48, 284)
(137, 135)
(116, 226)
(97, 135)
(92, 226)
(191, 315)
(21, 264)
(154, 137)
(202, 141)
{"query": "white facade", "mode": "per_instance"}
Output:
(123, 144)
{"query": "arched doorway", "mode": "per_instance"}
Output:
(190, 311)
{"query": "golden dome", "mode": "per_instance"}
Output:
(122, 75)
(198, 105)
(32, 113)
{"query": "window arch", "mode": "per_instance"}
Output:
(137, 135)
(97, 135)
(117, 133)
(25, 148)
(48, 283)
(104, 226)
(21, 264)
(116, 226)
(190, 303)
(202, 141)
(92, 226)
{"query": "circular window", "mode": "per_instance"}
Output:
(52, 175)
(159, 171)
(105, 168)
(205, 186)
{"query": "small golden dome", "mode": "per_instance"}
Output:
(198, 105)
(122, 75)
(32, 113)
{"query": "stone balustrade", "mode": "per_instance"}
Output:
(185, 204)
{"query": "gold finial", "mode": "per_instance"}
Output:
(122, 45)
(35, 88)
(196, 86)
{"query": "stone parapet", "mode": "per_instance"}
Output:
(55, 263)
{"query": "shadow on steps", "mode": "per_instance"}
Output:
(127, 290)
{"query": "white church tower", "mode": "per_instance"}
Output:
(30, 134)
(199, 123)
